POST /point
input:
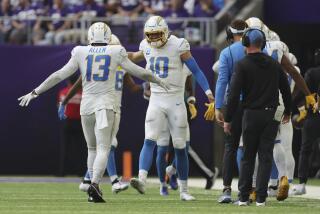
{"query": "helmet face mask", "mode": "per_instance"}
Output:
(156, 31)
(99, 32)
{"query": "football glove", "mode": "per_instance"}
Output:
(311, 102)
(61, 112)
(302, 114)
(209, 115)
(193, 110)
(26, 99)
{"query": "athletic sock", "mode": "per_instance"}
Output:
(182, 163)
(161, 162)
(111, 165)
(274, 171)
(183, 185)
(273, 182)
(143, 174)
(146, 155)
(113, 178)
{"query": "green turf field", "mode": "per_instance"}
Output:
(66, 198)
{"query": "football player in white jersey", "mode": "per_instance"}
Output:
(165, 56)
(285, 136)
(280, 51)
(122, 78)
(98, 63)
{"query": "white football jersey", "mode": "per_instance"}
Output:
(276, 49)
(165, 62)
(98, 66)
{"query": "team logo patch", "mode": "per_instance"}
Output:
(148, 51)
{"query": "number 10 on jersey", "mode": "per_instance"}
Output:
(159, 65)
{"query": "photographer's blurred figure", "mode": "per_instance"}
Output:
(73, 151)
(258, 78)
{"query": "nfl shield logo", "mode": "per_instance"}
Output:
(148, 51)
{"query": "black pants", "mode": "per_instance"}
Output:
(231, 143)
(310, 135)
(73, 149)
(259, 133)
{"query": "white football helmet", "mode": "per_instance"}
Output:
(254, 22)
(292, 59)
(99, 32)
(273, 36)
(114, 40)
(156, 31)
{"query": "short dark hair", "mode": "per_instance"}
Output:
(239, 24)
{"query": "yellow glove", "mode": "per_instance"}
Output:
(209, 115)
(302, 114)
(193, 110)
(311, 102)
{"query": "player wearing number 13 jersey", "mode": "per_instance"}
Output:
(165, 56)
(98, 63)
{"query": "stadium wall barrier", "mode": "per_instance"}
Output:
(30, 136)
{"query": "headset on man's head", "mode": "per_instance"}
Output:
(246, 39)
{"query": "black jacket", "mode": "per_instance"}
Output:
(258, 77)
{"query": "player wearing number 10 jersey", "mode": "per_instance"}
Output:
(165, 56)
(98, 63)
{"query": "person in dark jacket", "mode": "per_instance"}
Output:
(258, 78)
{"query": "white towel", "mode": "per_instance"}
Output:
(101, 119)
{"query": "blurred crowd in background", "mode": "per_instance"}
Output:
(23, 21)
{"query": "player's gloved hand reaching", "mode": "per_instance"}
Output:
(209, 115)
(61, 111)
(26, 99)
(311, 102)
(193, 110)
(302, 114)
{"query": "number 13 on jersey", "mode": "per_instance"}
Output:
(104, 63)
(160, 66)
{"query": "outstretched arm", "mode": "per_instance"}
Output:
(136, 57)
(70, 68)
(193, 66)
(141, 73)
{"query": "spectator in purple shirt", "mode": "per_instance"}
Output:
(57, 26)
(205, 8)
(176, 10)
(5, 24)
(25, 15)
(131, 8)
(155, 7)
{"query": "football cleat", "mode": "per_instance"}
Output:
(272, 191)
(243, 203)
(226, 196)
(95, 195)
(119, 187)
(283, 188)
(184, 196)
(299, 189)
(164, 190)
(263, 204)
(138, 185)
(84, 186)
